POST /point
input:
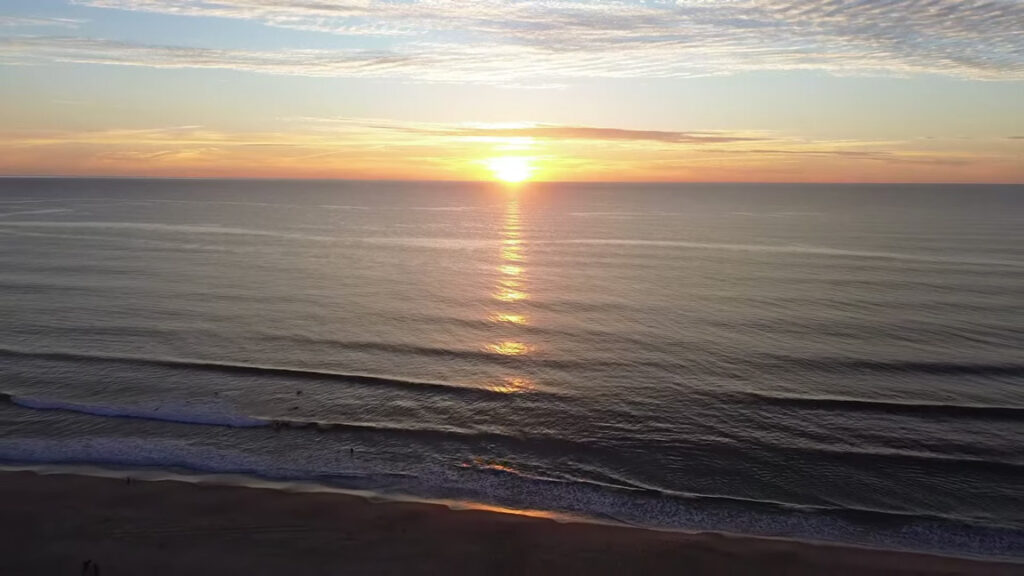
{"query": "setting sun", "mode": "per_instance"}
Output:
(511, 168)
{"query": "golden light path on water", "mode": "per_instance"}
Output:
(510, 292)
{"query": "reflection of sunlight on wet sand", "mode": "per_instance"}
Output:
(514, 386)
(489, 464)
(557, 517)
(510, 270)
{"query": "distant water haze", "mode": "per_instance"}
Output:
(834, 362)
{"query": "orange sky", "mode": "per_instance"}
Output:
(689, 90)
(356, 149)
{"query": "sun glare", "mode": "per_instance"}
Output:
(511, 169)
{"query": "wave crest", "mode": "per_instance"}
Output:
(166, 413)
(892, 406)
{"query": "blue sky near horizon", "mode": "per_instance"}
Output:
(818, 90)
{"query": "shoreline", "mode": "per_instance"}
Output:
(56, 517)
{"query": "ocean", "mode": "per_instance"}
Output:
(837, 363)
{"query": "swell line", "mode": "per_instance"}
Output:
(207, 418)
(891, 406)
(252, 369)
(210, 417)
(790, 249)
(848, 365)
(640, 488)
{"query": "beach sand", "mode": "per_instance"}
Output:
(53, 523)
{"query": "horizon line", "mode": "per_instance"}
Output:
(501, 184)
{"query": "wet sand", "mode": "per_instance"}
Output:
(51, 524)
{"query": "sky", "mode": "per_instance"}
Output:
(563, 90)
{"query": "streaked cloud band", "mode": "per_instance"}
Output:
(533, 41)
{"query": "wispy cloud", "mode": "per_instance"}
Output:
(31, 22)
(500, 41)
(889, 157)
(286, 62)
(532, 131)
(552, 132)
(361, 134)
(384, 148)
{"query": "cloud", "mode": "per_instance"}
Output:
(372, 148)
(530, 39)
(354, 63)
(555, 132)
(524, 133)
(499, 65)
(29, 22)
(871, 155)
(564, 141)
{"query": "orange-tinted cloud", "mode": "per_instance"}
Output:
(371, 149)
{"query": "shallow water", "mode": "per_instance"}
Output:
(818, 361)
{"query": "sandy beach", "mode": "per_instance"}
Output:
(53, 523)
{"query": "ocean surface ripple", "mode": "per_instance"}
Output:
(827, 362)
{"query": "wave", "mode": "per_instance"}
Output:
(190, 414)
(428, 242)
(209, 415)
(621, 485)
(440, 208)
(480, 355)
(156, 227)
(506, 483)
(162, 413)
(892, 406)
(485, 467)
(252, 369)
(784, 214)
(223, 416)
(236, 203)
(580, 498)
(136, 241)
(848, 365)
(623, 214)
(44, 211)
(786, 249)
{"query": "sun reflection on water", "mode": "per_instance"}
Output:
(515, 385)
(509, 348)
(512, 253)
(509, 318)
(508, 295)
(510, 292)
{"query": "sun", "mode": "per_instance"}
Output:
(511, 169)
